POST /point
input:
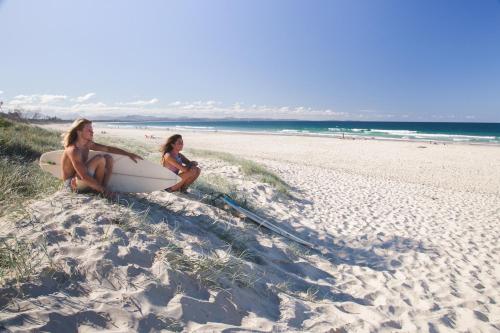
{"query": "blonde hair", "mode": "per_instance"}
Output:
(70, 136)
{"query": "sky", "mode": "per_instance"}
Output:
(382, 60)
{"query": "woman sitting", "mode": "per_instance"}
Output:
(178, 163)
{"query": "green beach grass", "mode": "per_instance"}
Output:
(20, 180)
(20, 177)
(249, 168)
(212, 183)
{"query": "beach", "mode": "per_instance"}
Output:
(405, 239)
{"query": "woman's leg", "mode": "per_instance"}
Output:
(96, 167)
(184, 177)
(108, 169)
(187, 178)
(194, 175)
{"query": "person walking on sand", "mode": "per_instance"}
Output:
(78, 172)
(173, 160)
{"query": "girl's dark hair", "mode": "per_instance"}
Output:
(167, 146)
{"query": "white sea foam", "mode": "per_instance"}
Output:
(394, 132)
(121, 126)
(293, 131)
(195, 127)
(415, 134)
(454, 136)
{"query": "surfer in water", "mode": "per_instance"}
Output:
(78, 171)
(173, 160)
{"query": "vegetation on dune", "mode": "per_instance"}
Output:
(26, 142)
(20, 177)
(207, 184)
(20, 259)
(249, 168)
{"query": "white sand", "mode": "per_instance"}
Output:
(407, 239)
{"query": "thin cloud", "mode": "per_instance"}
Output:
(47, 99)
(22, 99)
(1, 92)
(89, 106)
(142, 103)
(38, 98)
(84, 98)
(200, 106)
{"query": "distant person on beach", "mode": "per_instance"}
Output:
(173, 160)
(79, 173)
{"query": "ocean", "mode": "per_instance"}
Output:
(419, 131)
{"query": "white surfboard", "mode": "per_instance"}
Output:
(259, 220)
(127, 176)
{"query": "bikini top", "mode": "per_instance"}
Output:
(169, 166)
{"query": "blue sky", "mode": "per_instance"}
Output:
(412, 60)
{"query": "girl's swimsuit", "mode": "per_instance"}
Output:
(74, 184)
(172, 168)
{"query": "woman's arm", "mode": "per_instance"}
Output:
(170, 160)
(186, 161)
(114, 150)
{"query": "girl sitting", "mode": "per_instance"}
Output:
(173, 160)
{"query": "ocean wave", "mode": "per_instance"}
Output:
(293, 131)
(346, 130)
(394, 132)
(454, 136)
(120, 126)
(194, 127)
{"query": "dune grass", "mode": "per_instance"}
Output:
(20, 259)
(20, 177)
(213, 269)
(214, 183)
(249, 168)
(206, 184)
(237, 244)
(26, 141)
(211, 184)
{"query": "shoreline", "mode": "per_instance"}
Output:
(347, 136)
(317, 135)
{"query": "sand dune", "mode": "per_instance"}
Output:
(406, 240)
